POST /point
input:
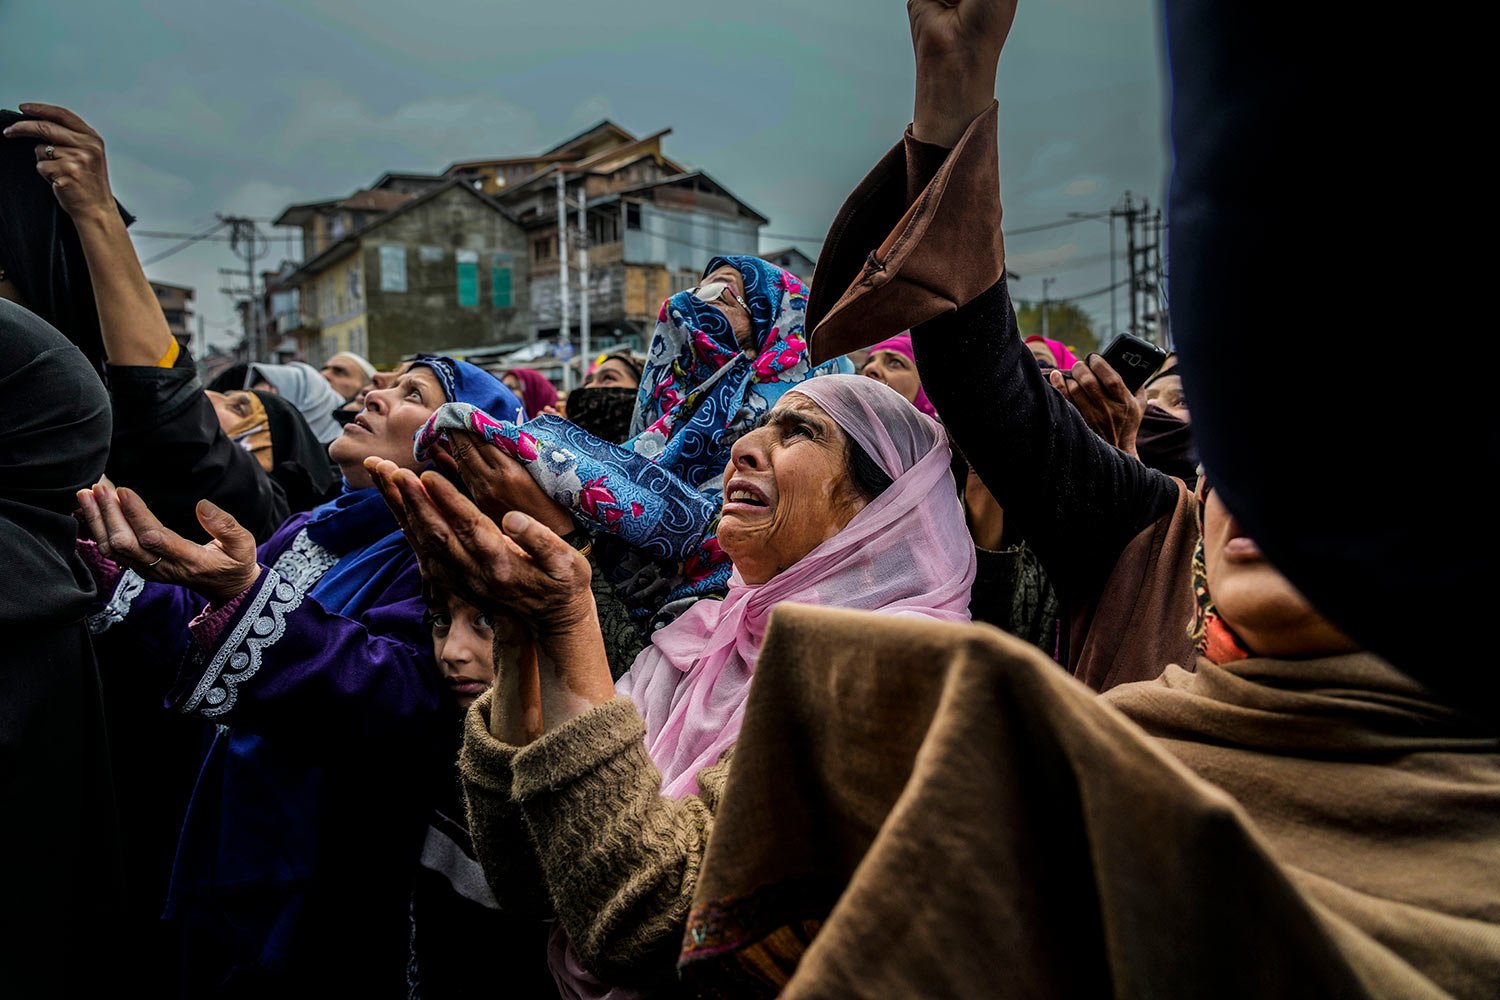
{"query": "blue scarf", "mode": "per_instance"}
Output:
(358, 527)
(466, 383)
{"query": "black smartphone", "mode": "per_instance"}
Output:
(1133, 359)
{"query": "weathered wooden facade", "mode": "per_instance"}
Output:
(652, 226)
(423, 272)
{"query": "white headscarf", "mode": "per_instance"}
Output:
(305, 388)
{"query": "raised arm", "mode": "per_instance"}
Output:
(70, 155)
(1076, 500)
(918, 245)
(957, 45)
(167, 439)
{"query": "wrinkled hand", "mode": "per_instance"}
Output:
(127, 532)
(1100, 396)
(523, 566)
(75, 167)
(957, 46)
(972, 30)
(498, 483)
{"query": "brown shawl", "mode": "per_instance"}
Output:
(945, 813)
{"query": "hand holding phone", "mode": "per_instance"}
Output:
(1133, 359)
(1101, 397)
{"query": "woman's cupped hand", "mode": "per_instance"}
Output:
(519, 564)
(126, 531)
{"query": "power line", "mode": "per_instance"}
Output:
(799, 237)
(1089, 295)
(1044, 226)
(188, 241)
(1021, 231)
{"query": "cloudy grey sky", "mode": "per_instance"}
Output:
(245, 107)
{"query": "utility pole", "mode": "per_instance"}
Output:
(1128, 211)
(1046, 284)
(244, 240)
(1163, 318)
(562, 258)
(1114, 315)
(583, 276)
(1148, 317)
(240, 295)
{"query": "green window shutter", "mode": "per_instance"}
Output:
(500, 287)
(468, 278)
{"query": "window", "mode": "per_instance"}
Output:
(632, 215)
(468, 278)
(393, 268)
(501, 296)
(604, 228)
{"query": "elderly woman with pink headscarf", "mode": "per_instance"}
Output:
(594, 801)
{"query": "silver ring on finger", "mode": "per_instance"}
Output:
(50, 152)
(151, 565)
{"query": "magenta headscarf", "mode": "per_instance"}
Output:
(901, 344)
(536, 388)
(908, 552)
(1066, 359)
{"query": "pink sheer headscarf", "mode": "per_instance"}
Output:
(901, 344)
(908, 552)
(1066, 359)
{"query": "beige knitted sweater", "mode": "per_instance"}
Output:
(575, 824)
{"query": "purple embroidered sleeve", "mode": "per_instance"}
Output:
(106, 572)
(209, 627)
(275, 657)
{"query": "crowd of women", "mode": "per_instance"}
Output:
(429, 682)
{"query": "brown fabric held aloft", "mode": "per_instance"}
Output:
(939, 246)
(967, 821)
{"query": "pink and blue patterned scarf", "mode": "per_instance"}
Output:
(699, 391)
(658, 494)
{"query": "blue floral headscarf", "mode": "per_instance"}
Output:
(699, 391)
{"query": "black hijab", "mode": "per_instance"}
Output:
(604, 411)
(607, 411)
(1165, 442)
(54, 437)
(40, 250)
(298, 462)
(231, 379)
